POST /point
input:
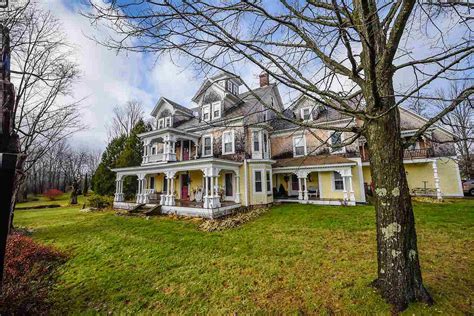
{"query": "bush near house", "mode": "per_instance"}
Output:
(29, 276)
(52, 194)
(99, 201)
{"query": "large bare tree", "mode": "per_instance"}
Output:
(461, 122)
(124, 119)
(43, 72)
(332, 52)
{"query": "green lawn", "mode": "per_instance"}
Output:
(295, 258)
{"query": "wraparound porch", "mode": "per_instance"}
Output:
(209, 183)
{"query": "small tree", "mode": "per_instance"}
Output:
(52, 194)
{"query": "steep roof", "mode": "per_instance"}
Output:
(175, 105)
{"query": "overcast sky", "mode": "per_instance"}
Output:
(108, 79)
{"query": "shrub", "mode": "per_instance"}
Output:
(52, 194)
(99, 201)
(29, 276)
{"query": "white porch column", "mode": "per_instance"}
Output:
(118, 189)
(300, 191)
(139, 190)
(172, 200)
(439, 195)
(305, 192)
(217, 200)
(206, 191)
(351, 189)
(237, 188)
(164, 194)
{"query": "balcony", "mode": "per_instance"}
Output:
(409, 154)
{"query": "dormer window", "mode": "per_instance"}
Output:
(306, 114)
(161, 123)
(232, 87)
(168, 121)
(206, 112)
(216, 110)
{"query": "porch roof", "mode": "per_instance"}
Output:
(169, 131)
(194, 164)
(315, 161)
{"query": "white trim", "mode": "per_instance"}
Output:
(333, 182)
(204, 145)
(260, 145)
(262, 181)
(232, 137)
(304, 145)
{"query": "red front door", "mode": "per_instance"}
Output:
(184, 187)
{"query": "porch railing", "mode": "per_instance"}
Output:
(409, 154)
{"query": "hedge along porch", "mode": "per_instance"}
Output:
(185, 187)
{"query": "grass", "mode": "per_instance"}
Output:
(62, 200)
(295, 258)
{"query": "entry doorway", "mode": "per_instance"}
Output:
(185, 187)
(229, 186)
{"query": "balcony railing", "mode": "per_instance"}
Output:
(409, 154)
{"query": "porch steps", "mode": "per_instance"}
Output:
(155, 210)
(136, 208)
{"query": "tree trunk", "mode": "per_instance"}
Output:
(399, 276)
(75, 187)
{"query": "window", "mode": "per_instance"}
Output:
(206, 112)
(228, 143)
(336, 140)
(161, 123)
(232, 87)
(153, 150)
(168, 121)
(216, 110)
(269, 182)
(338, 181)
(265, 142)
(207, 145)
(306, 114)
(258, 181)
(152, 183)
(256, 141)
(299, 146)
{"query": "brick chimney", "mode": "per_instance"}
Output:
(264, 79)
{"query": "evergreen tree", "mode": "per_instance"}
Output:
(103, 180)
(122, 152)
(130, 156)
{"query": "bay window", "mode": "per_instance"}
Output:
(258, 181)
